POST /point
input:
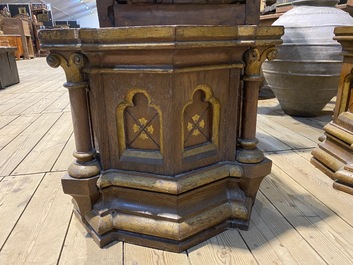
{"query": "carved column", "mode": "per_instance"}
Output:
(83, 172)
(254, 163)
(248, 152)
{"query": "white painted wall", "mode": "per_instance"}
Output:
(89, 21)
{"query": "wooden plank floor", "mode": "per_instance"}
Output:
(298, 217)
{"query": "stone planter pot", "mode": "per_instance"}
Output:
(305, 75)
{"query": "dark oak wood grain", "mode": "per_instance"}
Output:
(170, 139)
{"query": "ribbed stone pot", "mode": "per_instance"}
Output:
(305, 75)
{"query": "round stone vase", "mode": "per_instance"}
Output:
(305, 75)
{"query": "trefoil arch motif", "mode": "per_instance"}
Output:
(139, 123)
(200, 119)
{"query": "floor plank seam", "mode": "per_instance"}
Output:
(13, 138)
(9, 121)
(34, 173)
(26, 174)
(24, 209)
(317, 198)
(15, 106)
(249, 248)
(64, 239)
(62, 150)
(187, 257)
(35, 144)
(123, 253)
(289, 150)
(293, 227)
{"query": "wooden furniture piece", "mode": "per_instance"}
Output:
(8, 69)
(113, 13)
(164, 121)
(13, 41)
(267, 20)
(334, 156)
(20, 26)
(36, 26)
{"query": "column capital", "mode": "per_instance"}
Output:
(73, 66)
(254, 57)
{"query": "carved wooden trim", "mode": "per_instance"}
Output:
(254, 59)
(72, 67)
(172, 185)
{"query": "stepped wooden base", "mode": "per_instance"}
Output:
(334, 157)
(150, 241)
(181, 212)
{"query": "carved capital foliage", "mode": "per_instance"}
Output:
(72, 66)
(254, 58)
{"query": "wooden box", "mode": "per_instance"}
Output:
(164, 120)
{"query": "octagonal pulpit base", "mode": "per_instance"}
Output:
(177, 214)
(164, 121)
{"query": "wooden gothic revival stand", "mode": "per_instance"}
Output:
(334, 156)
(164, 122)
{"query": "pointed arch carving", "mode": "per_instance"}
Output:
(200, 123)
(139, 125)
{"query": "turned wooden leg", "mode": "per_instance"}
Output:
(85, 165)
(248, 152)
(83, 173)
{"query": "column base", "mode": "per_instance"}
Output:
(82, 170)
(83, 191)
(181, 212)
(334, 156)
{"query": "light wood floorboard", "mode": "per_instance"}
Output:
(79, 248)
(16, 192)
(298, 218)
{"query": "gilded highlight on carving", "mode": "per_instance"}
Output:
(254, 58)
(195, 125)
(200, 118)
(139, 123)
(143, 128)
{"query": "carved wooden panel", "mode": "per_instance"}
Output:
(139, 125)
(197, 121)
(142, 125)
(201, 123)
